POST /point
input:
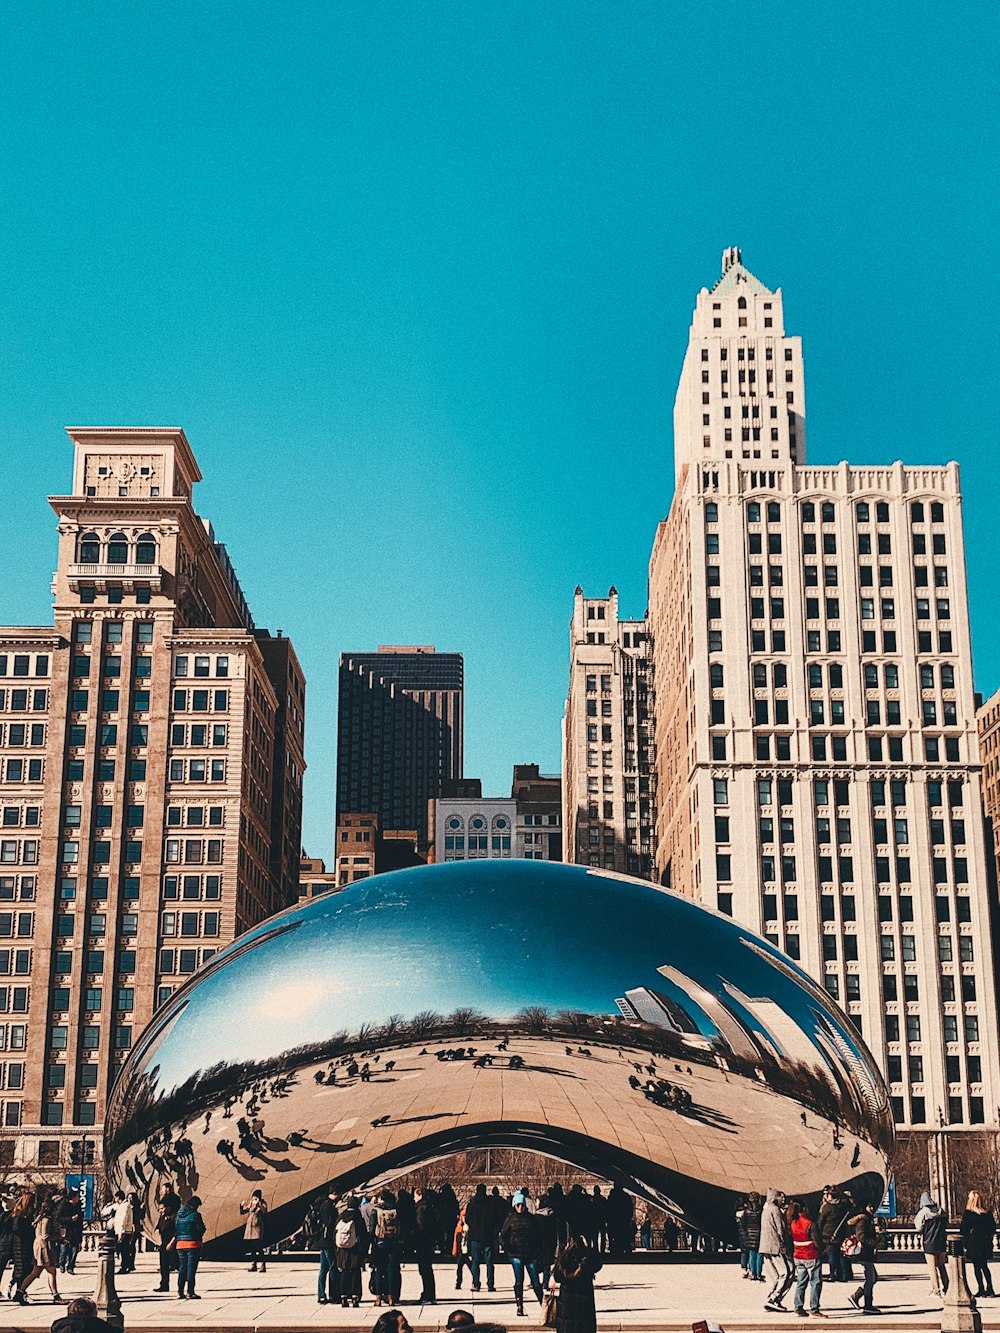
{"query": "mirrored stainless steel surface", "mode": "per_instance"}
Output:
(599, 1019)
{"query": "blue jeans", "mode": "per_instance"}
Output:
(328, 1286)
(519, 1265)
(187, 1266)
(385, 1260)
(808, 1272)
(480, 1250)
(755, 1264)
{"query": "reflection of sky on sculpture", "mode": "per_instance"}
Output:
(493, 937)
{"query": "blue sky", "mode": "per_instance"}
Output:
(416, 279)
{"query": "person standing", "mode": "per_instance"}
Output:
(546, 1238)
(45, 1256)
(748, 1221)
(478, 1220)
(518, 1238)
(863, 1226)
(190, 1230)
(832, 1223)
(349, 1239)
(978, 1230)
(123, 1225)
(775, 1249)
(387, 1249)
(325, 1216)
(426, 1229)
(69, 1224)
(806, 1242)
(166, 1229)
(574, 1270)
(932, 1224)
(255, 1211)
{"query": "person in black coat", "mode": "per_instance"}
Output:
(978, 1230)
(426, 1230)
(81, 1317)
(479, 1220)
(574, 1270)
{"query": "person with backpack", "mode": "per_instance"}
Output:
(349, 1241)
(323, 1219)
(932, 1224)
(387, 1249)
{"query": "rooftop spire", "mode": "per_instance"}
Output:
(730, 256)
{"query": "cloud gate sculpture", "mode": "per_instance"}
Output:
(601, 1020)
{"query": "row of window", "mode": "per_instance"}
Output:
(15, 735)
(108, 701)
(189, 924)
(20, 664)
(118, 549)
(192, 887)
(198, 734)
(114, 631)
(201, 666)
(193, 851)
(19, 701)
(201, 701)
(827, 511)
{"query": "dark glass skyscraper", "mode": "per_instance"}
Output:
(399, 733)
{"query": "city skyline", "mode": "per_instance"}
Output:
(460, 409)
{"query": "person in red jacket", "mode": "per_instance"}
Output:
(807, 1243)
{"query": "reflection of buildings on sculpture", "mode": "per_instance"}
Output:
(739, 1039)
(781, 1035)
(643, 1005)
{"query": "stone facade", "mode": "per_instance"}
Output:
(145, 777)
(816, 745)
(608, 774)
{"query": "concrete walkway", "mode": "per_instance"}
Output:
(665, 1296)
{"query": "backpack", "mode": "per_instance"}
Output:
(386, 1224)
(345, 1234)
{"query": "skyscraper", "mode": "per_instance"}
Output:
(151, 771)
(816, 745)
(399, 733)
(608, 780)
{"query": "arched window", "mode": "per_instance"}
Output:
(500, 823)
(477, 822)
(90, 549)
(118, 549)
(742, 303)
(145, 549)
(454, 822)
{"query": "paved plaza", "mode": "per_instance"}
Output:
(668, 1296)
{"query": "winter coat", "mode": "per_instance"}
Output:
(519, 1236)
(6, 1237)
(832, 1220)
(256, 1211)
(546, 1235)
(576, 1312)
(81, 1323)
(478, 1216)
(190, 1228)
(324, 1217)
(863, 1226)
(774, 1234)
(978, 1230)
(932, 1223)
(426, 1225)
(123, 1222)
(748, 1223)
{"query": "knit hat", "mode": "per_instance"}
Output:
(518, 1198)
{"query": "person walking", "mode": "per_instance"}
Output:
(978, 1228)
(775, 1249)
(190, 1230)
(574, 1270)
(863, 1226)
(255, 1211)
(349, 1238)
(6, 1238)
(324, 1217)
(69, 1225)
(931, 1222)
(460, 1249)
(806, 1242)
(518, 1238)
(45, 1256)
(166, 1229)
(387, 1249)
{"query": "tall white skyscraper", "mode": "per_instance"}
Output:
(816, 749)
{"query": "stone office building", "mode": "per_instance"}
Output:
(151, 764)
(816, 744)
